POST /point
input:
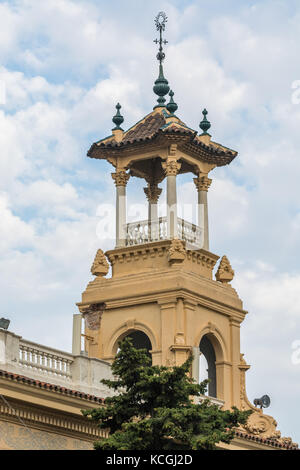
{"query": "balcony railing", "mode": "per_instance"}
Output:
(145, 232)
(42, 360)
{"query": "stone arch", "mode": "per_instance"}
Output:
(212, 345)
(207, 350)
(125, 330)
(217, 340)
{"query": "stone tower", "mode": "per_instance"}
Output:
(162, 291)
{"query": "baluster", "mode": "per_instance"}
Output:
(38, 360)
(22, 354)
(30, 356)
(64, 367)
(42, 356)
(68, 368)
(49, 362)
(54, 364)
(58, 365)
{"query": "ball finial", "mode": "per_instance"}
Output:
(204, 124)
(172, 106)
(118, 118)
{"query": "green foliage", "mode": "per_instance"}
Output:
(153, 408)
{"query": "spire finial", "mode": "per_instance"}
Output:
(161, 85)
(160, 23)
(118, 118)
(172, 106)
(204, 124)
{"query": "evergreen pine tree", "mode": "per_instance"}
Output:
(153, 408)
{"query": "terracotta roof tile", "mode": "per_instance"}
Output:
(49, 386)
(145, 129)
(270, 442)
(156, 124)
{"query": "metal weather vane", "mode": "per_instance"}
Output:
(160, 23)
(161, 85)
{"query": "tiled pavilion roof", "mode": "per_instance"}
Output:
(158, 125)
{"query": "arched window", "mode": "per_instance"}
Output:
(208, 362)
(140, 341)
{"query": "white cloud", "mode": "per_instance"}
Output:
(14, 232)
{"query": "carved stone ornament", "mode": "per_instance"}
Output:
(179, 339)
(264, 426)
(202, 183)
(225, 272)
(92, 315)
(171, 167)
(177, 252)
(258, 424)
(120, 177)
(100, 265)
(152, 193)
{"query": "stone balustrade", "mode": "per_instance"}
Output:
(48, 361)
(56, 367)
(144, 232)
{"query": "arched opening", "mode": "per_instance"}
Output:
(207, 368)
(140, 341)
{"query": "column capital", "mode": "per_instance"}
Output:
(152, 193)
(202, 183)
(120, 177)
(171, 167)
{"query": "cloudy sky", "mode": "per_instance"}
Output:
(64, 64)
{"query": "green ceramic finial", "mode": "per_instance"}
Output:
(161, 85)
(205, 124)
(118, 118)
(172, 106)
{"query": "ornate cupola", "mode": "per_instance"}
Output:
(161, 290)
(161, 146)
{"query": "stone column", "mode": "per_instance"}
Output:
(202, 184)
(171, 168)
(120, 178)
(76, 339)
(195, 365)
(152, 193)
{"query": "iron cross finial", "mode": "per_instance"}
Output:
(160, 23)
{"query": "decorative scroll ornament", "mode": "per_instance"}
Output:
(177, 252)
(152, 193)
(259, 424)
(171, 168)
(225, 273)
(202, 183)
(120, 178)
(92, 315)
(264, 426)
(100, 265)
